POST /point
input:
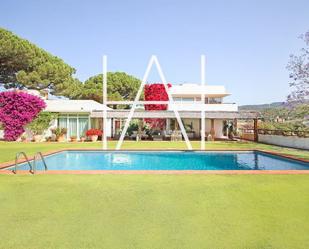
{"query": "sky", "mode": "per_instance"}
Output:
(246, 43)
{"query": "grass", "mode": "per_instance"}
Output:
(154, 211)
(8, 150)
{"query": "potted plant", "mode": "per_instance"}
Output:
(48, 139)
(40, 124)
(94, 134)
(38, 137)
(73, 138)
(37, 130)
(23, 138)
(82, 138)
(118, 134)
(60, 134)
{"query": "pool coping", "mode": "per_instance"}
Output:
(161, 172)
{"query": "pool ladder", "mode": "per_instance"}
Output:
(33, 167)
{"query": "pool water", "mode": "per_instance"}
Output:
(174, 160)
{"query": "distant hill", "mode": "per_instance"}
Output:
(262, 106)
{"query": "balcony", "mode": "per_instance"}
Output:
(199, 106)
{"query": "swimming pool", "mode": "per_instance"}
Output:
(171, 160)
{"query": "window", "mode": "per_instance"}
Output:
(187, 99)
(76, 125)
(183, 99)
(72, 129)
(62, 122)
(83, 126)
(214, 100)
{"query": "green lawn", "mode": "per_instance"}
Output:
(154, 211)
(8, 150)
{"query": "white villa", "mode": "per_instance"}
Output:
(188, 98)
(77, 116)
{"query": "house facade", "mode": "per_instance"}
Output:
(74, 115)
(77, 116)
(187, 97)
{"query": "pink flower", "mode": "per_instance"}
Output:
(17, 109)
(156, 92)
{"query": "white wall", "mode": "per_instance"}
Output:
(109, 128)
(97, 123)
(195, 123)
(218, 124)
(218, 127)
(286, 141)
(197, 106)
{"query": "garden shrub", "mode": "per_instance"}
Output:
(155, 92)
(17, 109)
(41, 122)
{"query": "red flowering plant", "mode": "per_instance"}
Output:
(156, 92)
(94, 132)
(17, 109)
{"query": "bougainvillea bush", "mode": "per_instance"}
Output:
(17, 109)
(155, 92)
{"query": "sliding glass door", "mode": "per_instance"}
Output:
(62, 122)
(76, 124)
(83, 125)
(72, 131)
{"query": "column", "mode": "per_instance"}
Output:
(168, 124)
(112, 128)
(77, 127)
(212, 129)
(235, 133)
(235, 123)
(255, 125)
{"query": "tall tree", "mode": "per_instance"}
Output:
(120, 86)
(299, 67)
(23, 64)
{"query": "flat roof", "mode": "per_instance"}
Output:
(66, 105)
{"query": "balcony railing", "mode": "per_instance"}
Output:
(184, 105)
(199, 106)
